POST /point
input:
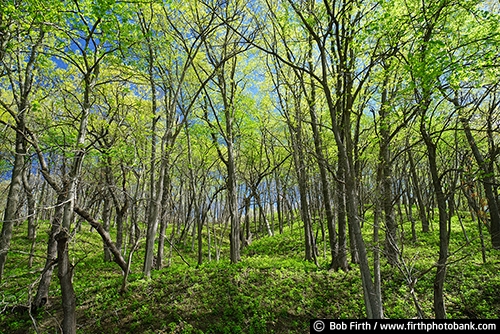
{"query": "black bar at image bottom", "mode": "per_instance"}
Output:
(417, 325)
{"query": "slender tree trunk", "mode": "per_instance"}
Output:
(418, 194)
(411, 202)
(42, 294)
(13, 198)
(279, 202)
(65, 274)
(391, 239)
(106, 222)
(25, 85)
(377, 214)
(235, 244)
(163, 219)
(262, 211)
(325, 186)
(32, 214)
(300, 170)
(340, 261)
(343, 140)
(154, 194)
(199, 219)
(152, 225)
(372, 298)
(31, 203)
(439, 306)
(161, 241)
(488, 181)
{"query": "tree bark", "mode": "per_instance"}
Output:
(439, 306)
(232, 196)
(325, 186)
(65, 274)
(106, 221)
(418, 194)
(340, 260)
(105, 237)
(13, 199)
(385, 180)
(152, 226)
(42, 294)
(488, 181)
(25, 85)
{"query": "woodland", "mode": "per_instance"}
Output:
(243, 166)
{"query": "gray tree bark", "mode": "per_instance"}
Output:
(65, 274)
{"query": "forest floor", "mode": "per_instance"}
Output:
(272, 290)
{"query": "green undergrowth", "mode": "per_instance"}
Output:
(272, 289)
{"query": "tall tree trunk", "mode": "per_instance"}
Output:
(154, 194)
(325, 186)
(439, 307)
(377, 214)
(232, 194)
(340, 261)
(163, 220)
(165, 213)
(488, 181)
(418, 193)
(391, 239)
(25, 74)
(13, 198)
(42, 294)
(106, 221)
(295, 131)
(341, 132)
(152, 225)
(31, 203)
(279, 202)
(65, 274)
(372, 297)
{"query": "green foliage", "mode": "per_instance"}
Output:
(272, 290)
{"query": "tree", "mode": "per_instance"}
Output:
(427, 64)
(85, 38)
(291, 99)
(223, 52)
(471, 87)
(172, 85)
(341, 23)
(23, 33)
